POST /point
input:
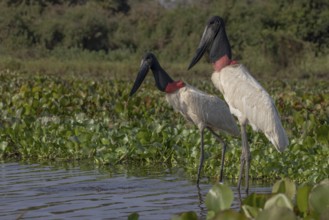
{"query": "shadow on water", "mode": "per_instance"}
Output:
(52, 191)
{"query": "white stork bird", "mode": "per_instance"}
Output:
(247, 99)
(204, 110)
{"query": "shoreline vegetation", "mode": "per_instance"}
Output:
(274, 39)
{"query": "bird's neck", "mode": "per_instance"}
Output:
(220, 47)
(174, 86)
(222, 62)
(220, 52)
(162, 79)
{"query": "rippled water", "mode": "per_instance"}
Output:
(33, 191)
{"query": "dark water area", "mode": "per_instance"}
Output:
(57, 191)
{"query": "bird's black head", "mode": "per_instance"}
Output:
(150, 61)
(215, 22)
(214, 40)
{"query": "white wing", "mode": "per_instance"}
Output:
(250, 103)
(203, 109)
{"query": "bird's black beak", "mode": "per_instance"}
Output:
(208, 36)
(144, 68)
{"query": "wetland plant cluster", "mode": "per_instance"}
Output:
(286, 202)
(70, 118)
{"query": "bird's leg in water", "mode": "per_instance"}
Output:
(245, 158)
(240, 198)
(221, 175)
(248, 159)
(201, 155)
(241, 171)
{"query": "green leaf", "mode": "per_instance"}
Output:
(185, 216)
(3, 145)
(119, 107)
(133, 216)
(256, 200)
(298, 118)
(309, 141)
(285, 186)
(319, 197)
(279, 200)
(250, 212)
(144, 137)
(302, 198)
(105, 141)
(322, 133)
(277, 213)
(219, 197)
(229, 215)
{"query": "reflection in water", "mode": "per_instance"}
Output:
(52, 192)
(203, 212)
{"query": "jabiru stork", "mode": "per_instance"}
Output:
(204, 110)
(247, 99)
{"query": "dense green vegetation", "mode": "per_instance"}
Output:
(286, 202)
(71, 118)
(273, 38)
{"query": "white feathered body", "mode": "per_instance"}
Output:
(250, 103)
(202, 109)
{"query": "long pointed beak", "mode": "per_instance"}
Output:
(144, 68)
(207, 39)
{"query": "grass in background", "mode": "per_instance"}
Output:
(275, 39)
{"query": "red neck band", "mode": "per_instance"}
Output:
(172, 87)
(223, 62)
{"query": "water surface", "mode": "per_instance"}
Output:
(34, 191)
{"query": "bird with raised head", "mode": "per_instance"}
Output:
(247, 99)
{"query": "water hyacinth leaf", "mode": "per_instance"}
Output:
(318, 198)
(275, 213)
(133, 216)
(159, 128)
(308, 141)
(143, 137)
(185, 216)
(256, 200)
(285, 186)
(210, 215)
(250, 212)
(105, 141)
(298, 118)
(279, 200)
(84, 138)
(229, 215)
(322, 133)
(80, 117)
(3, 145)
(302, 198)
(119, 107)
(219, 197)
